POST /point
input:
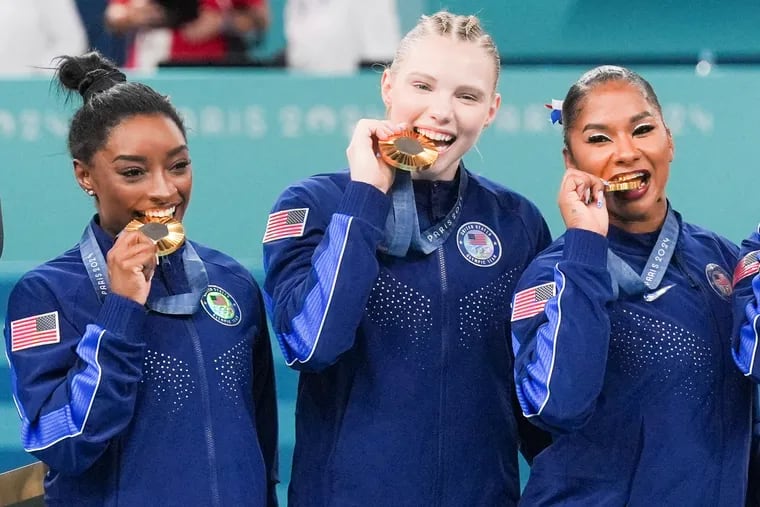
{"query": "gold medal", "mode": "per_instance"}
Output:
(167, 233)
(409, 151)
(630, 181)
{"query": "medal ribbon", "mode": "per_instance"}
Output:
(402, 227)
(625, 279)
(177, 304)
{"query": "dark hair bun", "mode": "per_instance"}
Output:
(88, 74)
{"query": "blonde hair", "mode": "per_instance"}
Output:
(453, 26)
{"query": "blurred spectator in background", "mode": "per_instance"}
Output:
(186, 31)
(112, 46)
(338, 36)
(246, 23)
(34, 32)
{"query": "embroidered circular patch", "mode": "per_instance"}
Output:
(221, 306)
(719, 280)
(479, 244)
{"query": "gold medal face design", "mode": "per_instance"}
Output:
(408, 151)
(630, 181)
(167, 233)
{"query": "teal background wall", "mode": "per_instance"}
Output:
(580, 29)
(616, 28)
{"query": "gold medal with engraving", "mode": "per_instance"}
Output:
(167, 233)
(630, 181)
(408, 150)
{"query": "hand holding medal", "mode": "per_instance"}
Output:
(581, 202)
(378, 147)
(131, 263)
(135, 254)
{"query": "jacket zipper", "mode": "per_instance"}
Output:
(443, 383)
(205, 397)
(210, 446)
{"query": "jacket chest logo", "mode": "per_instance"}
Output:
(479, 244)
(221, 306)
(719, 280)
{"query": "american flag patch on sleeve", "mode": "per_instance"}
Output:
(531, 301)
(747, 266)
(289, 223)
(35, 331)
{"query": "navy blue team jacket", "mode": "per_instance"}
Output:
(406, 396)
(641, 395)
(746, 308)
(746, 341)
(131, 407)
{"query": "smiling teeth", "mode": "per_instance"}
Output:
(160, 213)
(435, 136)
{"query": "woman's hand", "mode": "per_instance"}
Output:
(581, 202)
(363, 160)
(131, 263)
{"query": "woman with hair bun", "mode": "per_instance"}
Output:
(141, 364)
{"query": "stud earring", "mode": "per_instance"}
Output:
(90, 192)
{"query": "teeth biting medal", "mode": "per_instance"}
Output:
(167, 233)
(408, 150)
(624, 182)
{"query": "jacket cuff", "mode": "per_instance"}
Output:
(122, 316)
(585, 247)
(365, 202)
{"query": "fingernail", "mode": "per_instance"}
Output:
(599, 199)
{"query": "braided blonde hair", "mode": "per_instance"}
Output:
(456, 27)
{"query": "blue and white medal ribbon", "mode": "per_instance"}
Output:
(402, 227)
(627, 281)
(177, 304)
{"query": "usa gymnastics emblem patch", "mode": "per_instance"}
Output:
(479, 244)
(221, 306)
(719, 280)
